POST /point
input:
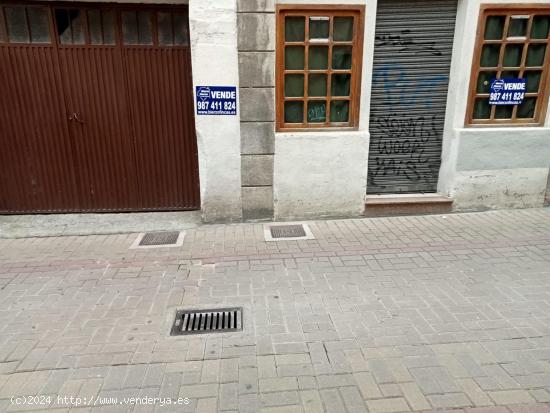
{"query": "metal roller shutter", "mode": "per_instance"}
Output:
(412, 59)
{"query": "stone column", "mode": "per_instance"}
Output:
(256, 44)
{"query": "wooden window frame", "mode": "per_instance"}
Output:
(543, 92)
(283, 10)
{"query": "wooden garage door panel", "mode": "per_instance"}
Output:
(165, 142)
(101, 128)
(36, 171)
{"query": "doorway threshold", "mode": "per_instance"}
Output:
(55, 225)
(407, 204)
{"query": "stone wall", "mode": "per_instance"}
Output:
(256, 46)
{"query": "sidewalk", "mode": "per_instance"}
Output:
(381, 315)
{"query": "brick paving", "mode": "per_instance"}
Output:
(380, 315)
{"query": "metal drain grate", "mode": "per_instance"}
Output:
(207, 321)
(287, 231)
(159, 238)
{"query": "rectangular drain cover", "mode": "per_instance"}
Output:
(159, 238)
(217, 320)
(287, 231)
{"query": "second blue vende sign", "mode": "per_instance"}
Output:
(507, 92)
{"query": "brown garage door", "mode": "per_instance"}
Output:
(96, 109)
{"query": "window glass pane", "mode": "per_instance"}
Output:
(316, 111)
(343, 29)
(317, 85)
(484, 81)
(482, 110)
(540, 27)
(101, 24)
(341, 57)
(532, 78)
(518, 26)
(70, 26)
(319, 27)
(489, 55)
(129, 27)
(3, 36)
(494, 27)
(63, 25)
(509, 74)
(144, 24)
(164, 22)
(512, 55)
(108, 17)
(535, 54)
(295, 28)
(17, 25)
(77, 25)
(294, 112)
(40, 24)
(294, 85)
(318, 57)
(339, 111)
(294, 57)
(527, 109)
(95, 26)
(181, 29)
(503, 111)
(340, 84)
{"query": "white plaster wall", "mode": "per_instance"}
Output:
(320, 174)
(325, 173)
(518, 151)
(213, 32)
(483, 189)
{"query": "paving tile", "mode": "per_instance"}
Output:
(391, 405)
(450, 400)
(278, 384)
(332, 401)
(279, 399)
(367, 385)
(229, 396)
(414, 396)
(511, 397)
(311, 401)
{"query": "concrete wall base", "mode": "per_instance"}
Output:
(320, 174)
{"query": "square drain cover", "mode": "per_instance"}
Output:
(217, 320)
(291, 231)
(287, 231)
(159, 238)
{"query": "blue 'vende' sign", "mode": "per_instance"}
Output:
(216, 100)
(507, 92)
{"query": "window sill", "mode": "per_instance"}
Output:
(317, 130)
(503, 125)
(504, 129)
(322, 134)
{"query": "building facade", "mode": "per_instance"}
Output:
(261, 109)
